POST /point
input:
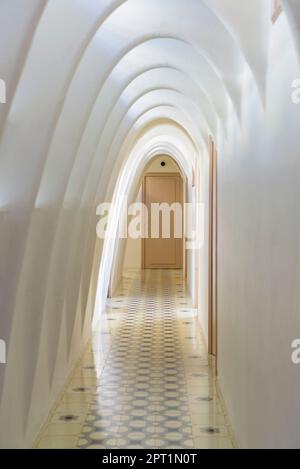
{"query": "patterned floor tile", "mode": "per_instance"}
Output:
(145, 380)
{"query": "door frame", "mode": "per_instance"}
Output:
(164, 174)
(196, 185)
(185, 198)
(213, 253)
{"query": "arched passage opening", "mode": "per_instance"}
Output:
(163, 179)
(127, 186)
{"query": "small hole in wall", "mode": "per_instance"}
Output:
(163, 164)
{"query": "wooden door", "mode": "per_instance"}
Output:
(160, 252)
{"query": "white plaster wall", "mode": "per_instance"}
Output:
(133, 250)
(204, 248)
(259, 249)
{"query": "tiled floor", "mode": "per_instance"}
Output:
(144, 381)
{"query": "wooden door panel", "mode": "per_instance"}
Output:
(161, 253)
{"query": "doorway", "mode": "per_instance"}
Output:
(160, 251)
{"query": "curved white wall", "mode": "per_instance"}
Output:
(259, 258)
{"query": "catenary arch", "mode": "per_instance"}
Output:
(138, 43)
(23, 197)
(149, 121)
(144, 128)
(122, 151)
(216, 6)
(102, 106)
(161, 148)
(225, 38)
(59, 153)
(28, 266)
(109, 146)
(147, 102)
(127, 132)
(65, 278)
(128, 177)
